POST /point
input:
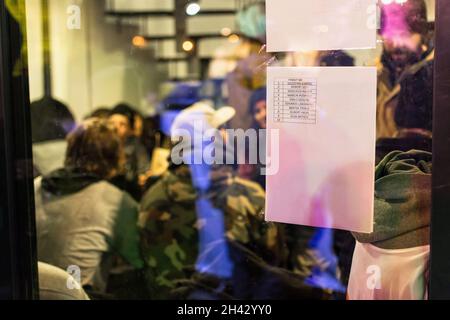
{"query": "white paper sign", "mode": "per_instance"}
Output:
(304, 25)
(321, 146)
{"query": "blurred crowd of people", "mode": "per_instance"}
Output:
(139, 226)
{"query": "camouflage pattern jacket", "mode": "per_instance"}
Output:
(170, 223)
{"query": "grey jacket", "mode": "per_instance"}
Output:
(82, 223)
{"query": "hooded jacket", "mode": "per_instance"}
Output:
(82, 221)
(402, 201)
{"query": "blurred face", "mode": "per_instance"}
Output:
(121, 124)
(260, 114)
(401, 46)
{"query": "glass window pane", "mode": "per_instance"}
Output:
(149, 127)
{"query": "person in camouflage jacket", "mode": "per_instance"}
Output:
(171, 222)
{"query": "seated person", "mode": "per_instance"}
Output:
(195, 208)
(82, 220)
(137, 161)
(257, 109)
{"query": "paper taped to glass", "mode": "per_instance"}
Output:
(321, 146)
(303, 25)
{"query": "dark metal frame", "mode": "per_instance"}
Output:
(18, 262)
(440, 221)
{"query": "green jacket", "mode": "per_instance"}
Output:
(402, 201)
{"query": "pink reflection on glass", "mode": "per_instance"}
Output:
(395, 29)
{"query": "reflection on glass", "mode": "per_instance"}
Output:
(138, 191)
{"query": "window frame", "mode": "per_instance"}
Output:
(18, 264)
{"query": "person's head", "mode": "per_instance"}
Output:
(258, 107)
(252, 22)
(95, 148)
(50, 120)
(197, 121)
(193, 132)
(409, 17)
(404, 29)
(336, 58)
(100, 113)
(199, 118)
(122, 117)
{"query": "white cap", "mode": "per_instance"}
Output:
(201, 113)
